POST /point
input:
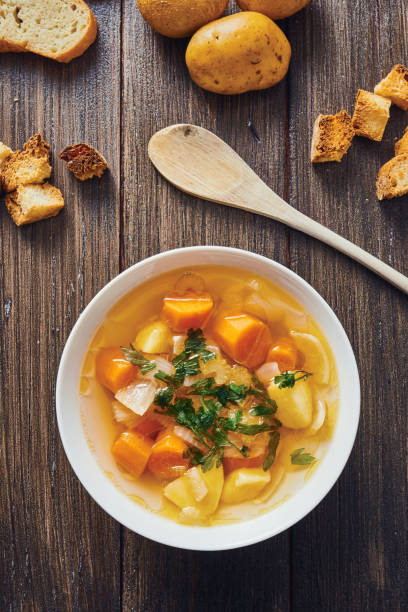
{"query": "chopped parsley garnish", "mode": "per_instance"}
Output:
(300, 457)
(210, 427)
(263, 410)
(288, 379)
(272, 446)
(137, 359)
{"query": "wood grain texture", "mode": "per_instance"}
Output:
(54, 537)
(60, 551)
(351, 553)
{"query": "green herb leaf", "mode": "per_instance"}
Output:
(288, 379)
(205, 386)
(166, 378)
(194, 455)
(263, 410)
(163, 397)
(259, 390)
(233, 421)
(137, 359)
(214, 455)
(253, 430)
(299, 457)
(274, 438)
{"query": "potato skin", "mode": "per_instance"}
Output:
(275, 9)
(180, 18)
(239, 53)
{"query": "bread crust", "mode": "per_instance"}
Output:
(401, 146)
(34, 213)
(395, 86)
(371, 114)
(392, 178)
(84, 161)
(76, 50)
(28, 166)
(332, 136)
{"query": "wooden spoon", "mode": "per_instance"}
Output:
(203, 165)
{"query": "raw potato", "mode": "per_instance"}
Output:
(295, 407)
(180, 18)
(238, 53)
(275, 9)
(154, 338)
(244, 484)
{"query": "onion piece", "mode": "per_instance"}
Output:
(268, 371)
(319, 417)
(124, 416)
(161, 364)
(138, 396)
(188, 437)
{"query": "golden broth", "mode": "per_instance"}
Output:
(232, 288)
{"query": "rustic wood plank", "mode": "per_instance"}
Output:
(350, 554)
(60, 551)
(156, 217)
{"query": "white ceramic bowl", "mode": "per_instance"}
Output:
(156, 527)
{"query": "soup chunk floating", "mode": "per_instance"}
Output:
(203, 407)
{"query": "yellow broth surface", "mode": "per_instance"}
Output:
(231, 289)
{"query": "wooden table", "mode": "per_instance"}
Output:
(60, 551)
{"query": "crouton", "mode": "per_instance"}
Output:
(332, 136)
(371, 114)
(395, 86)
(30, 203)
(401, 146)
(28, 166)
(392, 179)
(84, 161)
(5, 152)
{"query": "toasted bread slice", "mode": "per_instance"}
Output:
(371, 114)
(30, 203)
(59, 29)
(5, 152)
(401, 146)
(84, 161)
(332, 136)
(392, 179)
(28, 166)
(395, 86)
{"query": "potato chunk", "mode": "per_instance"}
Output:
(295, 406)
(197, 489)
(154, 338)
(244, 484)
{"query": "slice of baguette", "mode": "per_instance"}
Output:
(401, 146)
(58, 29)
(84, 161)
(28, 166)
(392, 179)
(30, 203)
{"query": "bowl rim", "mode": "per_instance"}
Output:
(218, 537)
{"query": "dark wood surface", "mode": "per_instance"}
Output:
(59, 550)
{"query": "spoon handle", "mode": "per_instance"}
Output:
(301, 222)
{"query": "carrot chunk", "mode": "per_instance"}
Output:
(113, 370)
(284, 353)
(148, 426)
(167, 461)
(235, 463)
(234, 460)
(244, 338)
(132, 451)
(183, 312)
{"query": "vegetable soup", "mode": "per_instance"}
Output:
(209, 395)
